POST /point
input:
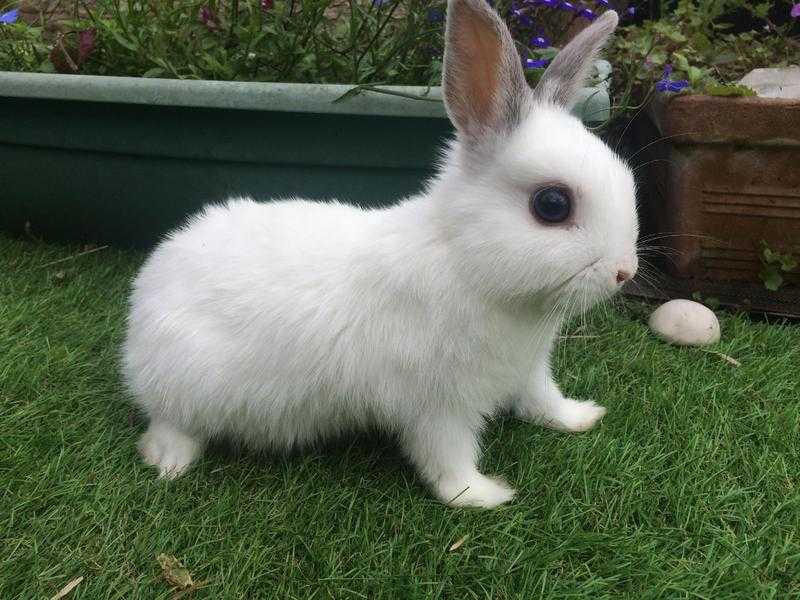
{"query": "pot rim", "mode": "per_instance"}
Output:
(321, 98)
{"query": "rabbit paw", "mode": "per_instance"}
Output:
(572, 415)
(169, 450)
(477, 491)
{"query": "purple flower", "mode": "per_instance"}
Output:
(267, 5)
(795, 12)
(588, 14)
(207, 18)
(9, 17)
(379, 3)
(74, 49)
(603, 3)
(522, 19)
(538, 63)
(539, 42)
(549, 3)
(671, 86)
(565, 5)
(86, 41)
(665, 84)
(435, 15)
(631, 11)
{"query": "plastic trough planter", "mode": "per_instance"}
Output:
(122, 160)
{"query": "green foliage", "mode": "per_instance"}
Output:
(309, 41)
(22, 48)
(773, 265)
(696, 39)
(394, 42)
(729, 89)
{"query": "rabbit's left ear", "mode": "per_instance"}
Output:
(484, 87)
(571, 67)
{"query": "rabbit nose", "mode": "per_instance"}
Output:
(623, 276)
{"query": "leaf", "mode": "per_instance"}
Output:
(373, 88)
(63, 592)
(457, 544)
(771, 277)
(700, 42)
(675, 36)
(154, 72)
(788, 262)
(174, 572)
(658, 57)
(711, 302)
(122, 41)
(730, 89)
(355, 91)
(725, 357)
(695, 75)
(548, 53)
(761, 10)
(680, 61)
(724, 58)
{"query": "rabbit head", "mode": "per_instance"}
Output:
(536, 206)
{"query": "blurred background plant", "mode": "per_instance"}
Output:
(324, 41)
(708, 44)
(701, 46)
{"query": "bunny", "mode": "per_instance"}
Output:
(284, 323)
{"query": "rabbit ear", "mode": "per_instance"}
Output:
(570, 68)
(484, 87)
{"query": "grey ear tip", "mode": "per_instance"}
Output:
(610, 18)
(480, 5)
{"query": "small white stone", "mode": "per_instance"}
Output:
(685, 323)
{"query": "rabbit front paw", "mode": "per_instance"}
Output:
(572, 415)
(477, 491)
(563, 414)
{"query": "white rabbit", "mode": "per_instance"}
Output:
(280, 324)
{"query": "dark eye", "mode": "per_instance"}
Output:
(551, 205)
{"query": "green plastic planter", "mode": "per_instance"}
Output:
(122, 160)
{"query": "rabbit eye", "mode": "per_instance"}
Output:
(551, 205)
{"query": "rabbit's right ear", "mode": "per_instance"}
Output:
(484, 87)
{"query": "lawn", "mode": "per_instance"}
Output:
(688, 489)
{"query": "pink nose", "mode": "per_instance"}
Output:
(623, 276)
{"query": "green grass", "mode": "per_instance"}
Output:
(688, 489)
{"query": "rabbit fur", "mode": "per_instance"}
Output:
(284, 323)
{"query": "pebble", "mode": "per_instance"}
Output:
(685, 323)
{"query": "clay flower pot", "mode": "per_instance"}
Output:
(724, 181)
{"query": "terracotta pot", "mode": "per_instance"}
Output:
(724, 177)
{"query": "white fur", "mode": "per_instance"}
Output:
(280, 324)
